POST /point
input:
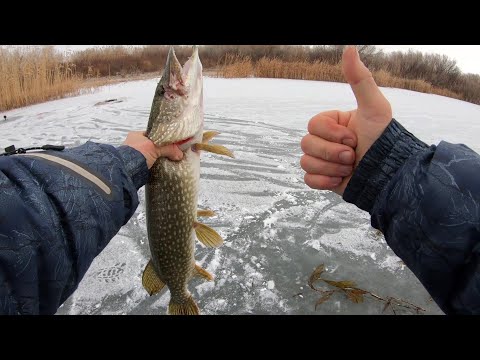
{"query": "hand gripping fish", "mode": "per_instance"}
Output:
(171, 193)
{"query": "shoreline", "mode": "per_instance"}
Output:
(89, 85)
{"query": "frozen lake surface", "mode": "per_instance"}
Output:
(276, 229)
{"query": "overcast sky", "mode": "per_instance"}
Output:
(467, 56)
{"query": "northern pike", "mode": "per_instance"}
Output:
(171, 192)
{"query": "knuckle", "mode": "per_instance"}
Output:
(337, 133)
(326, 154)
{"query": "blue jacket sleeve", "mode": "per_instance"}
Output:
(57, 213)
(426, 201)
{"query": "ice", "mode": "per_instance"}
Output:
(277, 229)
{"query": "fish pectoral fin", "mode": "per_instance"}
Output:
(199, 271)
(209, 135)
(205, 213)
(150, 280)
(207, 235)
(186, 307)
(216, 149)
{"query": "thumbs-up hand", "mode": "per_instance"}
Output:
(337, 140)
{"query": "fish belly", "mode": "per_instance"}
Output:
(171, 206)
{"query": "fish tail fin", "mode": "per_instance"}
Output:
(186, 307)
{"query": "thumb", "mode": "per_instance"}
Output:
(360, 79)
(170, 151)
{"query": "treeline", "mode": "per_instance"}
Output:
(433, 70)
(30, 75)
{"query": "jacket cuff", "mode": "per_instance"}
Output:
(380, 164)
(135, 164)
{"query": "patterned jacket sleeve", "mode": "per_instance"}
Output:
(426, 201)
(57, 213)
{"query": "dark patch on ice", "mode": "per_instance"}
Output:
(7, 119)
(109, 101)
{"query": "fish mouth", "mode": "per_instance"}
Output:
(177, 110)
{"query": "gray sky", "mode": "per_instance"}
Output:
(467, 56)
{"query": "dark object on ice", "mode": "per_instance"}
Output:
(11, 150)
(353, 293)
(108, 101)
(5, 117)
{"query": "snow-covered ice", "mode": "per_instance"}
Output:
(277, 229)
